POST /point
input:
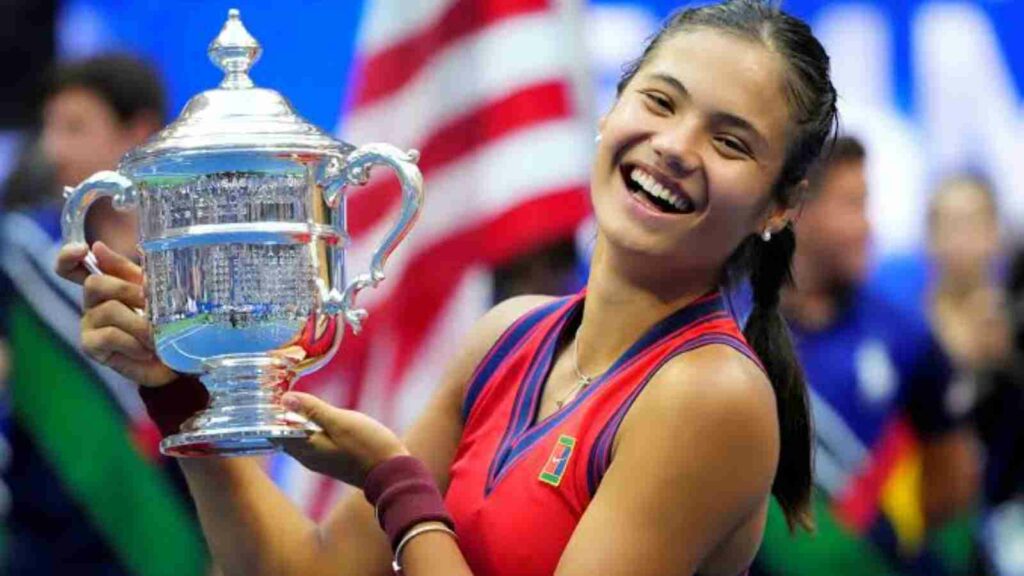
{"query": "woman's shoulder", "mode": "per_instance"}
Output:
(715, 395)
(488, 329)
(505, 313)
(716, 376)
(703, 439)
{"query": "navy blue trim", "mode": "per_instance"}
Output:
(505, 345)
(600, 453)
(529, 390)
(519, 438)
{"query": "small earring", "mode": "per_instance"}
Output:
(766, 235)
(597, 139)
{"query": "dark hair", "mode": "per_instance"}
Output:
(812, 101)
(129, 85)
(845, 149)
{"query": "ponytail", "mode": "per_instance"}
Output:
(768, 334)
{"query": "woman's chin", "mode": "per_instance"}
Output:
(638, 245)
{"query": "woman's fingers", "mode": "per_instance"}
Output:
(99, 289)
(101, 343)
(113, 333)
(351, 444)
(69, 262)
(310, 450)
(146, 373)
(124, 353)
(116, 314)
(114, 264)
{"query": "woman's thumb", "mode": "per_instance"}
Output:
(318, 411)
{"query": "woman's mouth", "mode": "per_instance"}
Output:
(654, 193)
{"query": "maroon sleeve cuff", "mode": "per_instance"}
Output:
(173, 403)
(404, 494)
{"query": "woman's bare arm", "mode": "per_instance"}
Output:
(254, 529)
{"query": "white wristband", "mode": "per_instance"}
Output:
(416, 531)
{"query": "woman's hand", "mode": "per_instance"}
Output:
(350, 445)
(112, 332)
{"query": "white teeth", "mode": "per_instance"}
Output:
(654, 188)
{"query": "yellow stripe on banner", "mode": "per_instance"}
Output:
(900, 501)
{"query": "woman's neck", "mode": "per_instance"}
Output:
(625, 298)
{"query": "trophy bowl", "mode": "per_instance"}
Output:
(242, 233)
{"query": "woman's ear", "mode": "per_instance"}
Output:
(784, 213)
(801, 195)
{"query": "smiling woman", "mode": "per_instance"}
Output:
(710, 139)
(633, 428)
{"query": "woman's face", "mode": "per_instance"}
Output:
(689, 153)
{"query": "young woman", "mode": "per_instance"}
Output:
(630, 429)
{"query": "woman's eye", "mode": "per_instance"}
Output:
(734, 145)
(659, 101)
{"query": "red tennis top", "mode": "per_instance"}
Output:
(518, 486)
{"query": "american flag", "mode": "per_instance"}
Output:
(485, 90)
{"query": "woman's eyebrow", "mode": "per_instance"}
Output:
(673, 82)
(732, 120)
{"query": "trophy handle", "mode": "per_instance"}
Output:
(77, 201)
(357, 171)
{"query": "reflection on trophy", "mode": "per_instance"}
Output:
(242, 216)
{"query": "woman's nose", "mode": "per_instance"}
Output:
(678, 148)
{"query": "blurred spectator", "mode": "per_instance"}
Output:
(968, 308)
(893, 458)
(89, 495)
(966, 303)
(957, 283)
(95, 111)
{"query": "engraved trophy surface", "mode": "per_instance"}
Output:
(242, 230)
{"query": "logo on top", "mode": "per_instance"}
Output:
(558, 461)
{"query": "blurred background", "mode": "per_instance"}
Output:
(502, 97)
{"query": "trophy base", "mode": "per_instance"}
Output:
(250, 441)
(245, 416)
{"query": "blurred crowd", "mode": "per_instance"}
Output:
(916, 363)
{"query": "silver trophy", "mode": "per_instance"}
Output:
(242, 229)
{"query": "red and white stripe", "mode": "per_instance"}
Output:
(483, 88)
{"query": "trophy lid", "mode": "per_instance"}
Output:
(237, 115)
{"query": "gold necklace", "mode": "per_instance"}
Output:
(582, 380)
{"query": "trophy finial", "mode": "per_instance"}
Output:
(234, 51)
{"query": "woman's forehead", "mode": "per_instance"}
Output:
(724, 72)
